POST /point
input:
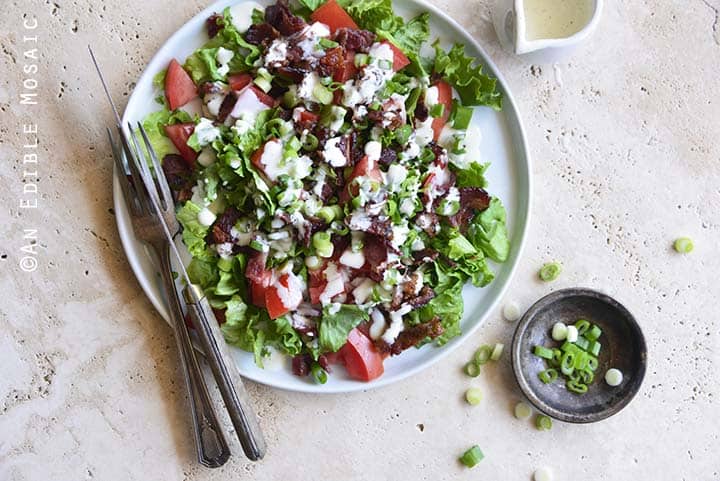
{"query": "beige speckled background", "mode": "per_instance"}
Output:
(625, 138)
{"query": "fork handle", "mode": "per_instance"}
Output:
(226, 374)
(212, 448)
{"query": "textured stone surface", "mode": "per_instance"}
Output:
(624, 136)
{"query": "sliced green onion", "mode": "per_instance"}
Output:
(576, 387)
(522, 410)
(472, 456)
(313, 262)
(263, 83)
(375, 105)
(473, 396)
(613, 377)
(385, 64)
(327, 43)
(580, 361)
(543, 423)
(361, 59)
(548, 375)
(594, 333)
(550, 271)
(322, 94)
(567, 363)
(310, 142)
(582, 326)
(542, 474)
(592, 363)
(543, 352)
(497, 352)
(482, 355)
(585, 376)
(472, 369)
(319, 373)
(559, 331)
(257, 245)
(321, 243)
(511, 311)
(290, 99)
(582, 343)
(594, 348)
(329, 213)
(572, 334)
(557, 357)
(437, 110)
(683, 245)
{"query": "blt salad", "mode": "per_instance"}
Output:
(327, 180)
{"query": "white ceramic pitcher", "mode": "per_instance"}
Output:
(512, 24)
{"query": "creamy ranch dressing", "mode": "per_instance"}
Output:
(556, 18)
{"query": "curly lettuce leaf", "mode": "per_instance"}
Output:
(311, 5)
(154, 124)
(193, 231)
(472, 176)
(474, 87)
(488, 231)
(335, 326)
(203, 272)
(202, 64)
(241, 329)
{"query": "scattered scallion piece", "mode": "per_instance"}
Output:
(543, 474)
(522, 411)
(472, 456)
(594, 348)
(550, 271)
(543, 423)
(497, 352)
(548, 375)
(613, 377)
(319, 374)
(472, 369)
(567, 363)
(327, 43)
(582, 343)
(321, 243)
(543, 352)
(511, 311)
(473, 396)
(683, 245)
(576, 387)
(482, 355)
(559, 331)
(322, 94)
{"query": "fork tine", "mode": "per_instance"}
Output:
(130, 199)
(139, 183)
(141, 159)
(166, 195)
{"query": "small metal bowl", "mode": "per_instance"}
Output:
(623, 347)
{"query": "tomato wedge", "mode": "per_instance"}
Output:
(334, 16)
(258, 277)
(179, 135)
(239, 81)
(179, 87)
(362, 168)
(362, 361)
(400, 60)
(283, 296)
(445, 98)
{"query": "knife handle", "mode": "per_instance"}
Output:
(226, 373)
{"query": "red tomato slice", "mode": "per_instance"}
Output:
(362, 360)
(333, 15)
(309, 117)
(179, 135)
(445, 98)
(273, 301)
(362, 168)
(258, 277)
(316, 283)
(179, 87)
(239, 81)
(400, 60)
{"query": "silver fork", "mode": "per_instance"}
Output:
(211, 446)
(217, 352)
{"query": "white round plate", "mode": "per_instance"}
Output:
(503, 144)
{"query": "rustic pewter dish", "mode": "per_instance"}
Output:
(623, 347)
